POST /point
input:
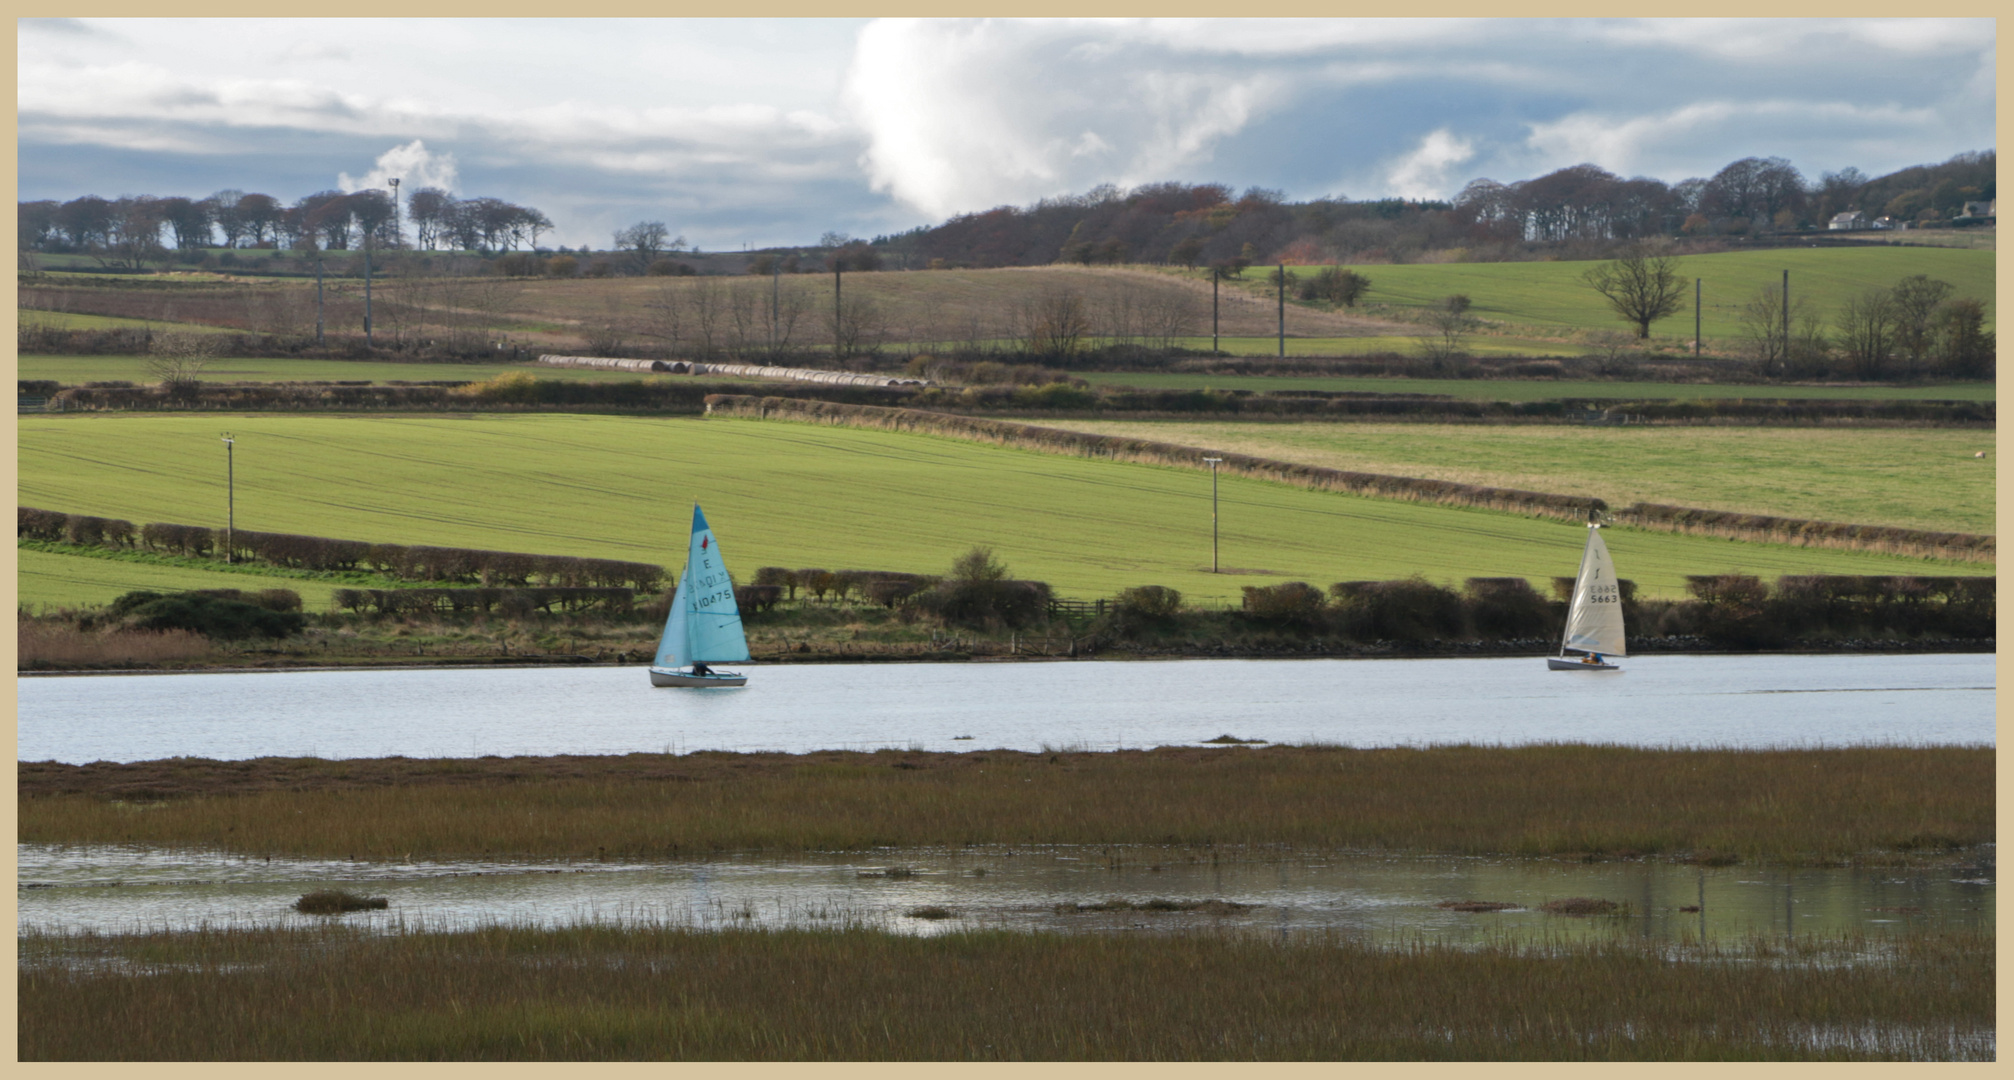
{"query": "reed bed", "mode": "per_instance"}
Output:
(596, 992)
(1870, 805)
(42, 643)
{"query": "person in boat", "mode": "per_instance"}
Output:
(699, 669)
(1591, 658)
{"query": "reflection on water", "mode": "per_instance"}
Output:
(1386, 899)
(1712, 701)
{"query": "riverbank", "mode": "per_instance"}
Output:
(1858, 806)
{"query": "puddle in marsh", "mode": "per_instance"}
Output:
(1388, 899)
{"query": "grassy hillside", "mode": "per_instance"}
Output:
(801, 495)
(1918, 478)
(80, 369)
(1551, 294)
(1540, 306)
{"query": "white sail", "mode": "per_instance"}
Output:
(1594, 618)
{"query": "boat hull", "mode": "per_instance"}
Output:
(1561, 663)
(661, 677)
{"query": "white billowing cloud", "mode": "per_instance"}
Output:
(413, 165)
(1427, 172)
(960, 116)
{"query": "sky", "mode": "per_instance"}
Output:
(772, 132)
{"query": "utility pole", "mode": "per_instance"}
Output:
(838, 265)
(1214, 462)
(398, 233)
(319, 343)
(775, 278)
(230, 498)
(1283, 311)
(1695, 318)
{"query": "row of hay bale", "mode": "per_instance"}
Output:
(754, 371)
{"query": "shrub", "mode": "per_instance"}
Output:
(39, 524)
(1149, 602)
(671, 268)
(1293, 603)
(1336, 285)
(754, 599)
(562, 266)
(213, 617)
(890, 590)
(1411, 611)
(779, 577)
(1732, 610)
(1507, 608)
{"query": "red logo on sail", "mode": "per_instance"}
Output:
(702, 542)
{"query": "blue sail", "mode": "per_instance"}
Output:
(704, 624)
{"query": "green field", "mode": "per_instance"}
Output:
(1921, 478)
(47, 580)
(1533, 389)
(67, 320)
(72, 370)
(1382, 345)
(1552, 295)
(802, 495)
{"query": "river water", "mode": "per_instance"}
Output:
(1386, 899)
(1679, 701)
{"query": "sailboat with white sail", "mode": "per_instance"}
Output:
(704, 625)
(1594, 615)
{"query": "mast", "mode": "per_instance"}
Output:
(1573, 598)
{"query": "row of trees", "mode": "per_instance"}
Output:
(1914, 328)
(1581, 207)
(128, 231)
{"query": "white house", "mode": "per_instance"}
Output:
(1980, 209)
(1851, 219)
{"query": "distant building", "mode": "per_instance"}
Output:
(1980, 209)
(1886, 222)
(1852, 219)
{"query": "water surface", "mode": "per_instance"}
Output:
(1681, 701)
(1384, 898)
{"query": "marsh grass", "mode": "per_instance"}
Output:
(1871, 804)
(1582, 905)
(338, 902)
(41, 644)
(597, 992)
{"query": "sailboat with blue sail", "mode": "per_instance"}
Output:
(704, 625)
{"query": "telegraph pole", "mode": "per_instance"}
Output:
(1283, 311)
(1214, 462)
(319, 343)
(1695, 318)
(230, 498)
(838, 265)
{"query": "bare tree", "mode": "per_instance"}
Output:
(1769, 342)
(1643, 286)
(665, 319)
(860, 326)
(1447, 328)
(1867, 331)
(177, 361)
(1916, 300)
(1055, 323)
(707, 308)
(644, 241)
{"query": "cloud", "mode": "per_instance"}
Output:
(964, 115)
(412, 164)
(877, 126)
(1426, 173)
